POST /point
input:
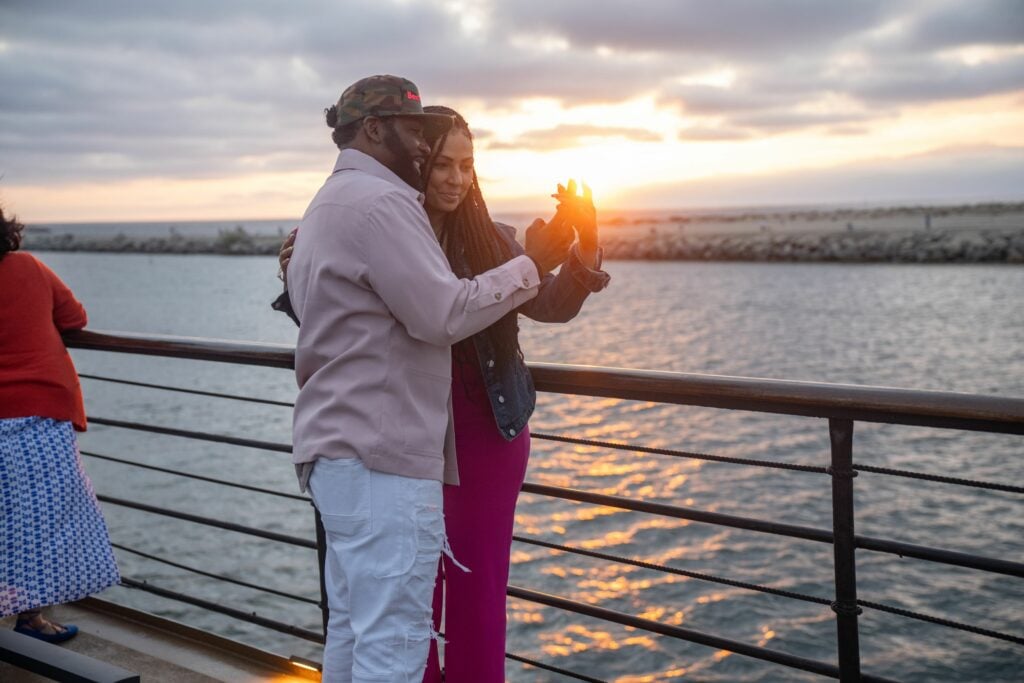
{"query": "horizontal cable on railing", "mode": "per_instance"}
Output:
(942, 622)
(920, 552)
(542, 665)
(672, 570)
(207, 521)
(219, 577)
(182, 390)
(952, 557)
(190, 434)
(679, 454)
(665, 510)
(939, 478)
(681, 633)
(189, 475)
(554, 669)
(250, 617)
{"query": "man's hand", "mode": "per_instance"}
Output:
(285, 255)
(580, 211)
(548, 243)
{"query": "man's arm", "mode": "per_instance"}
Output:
(561, 295)
(408, 270)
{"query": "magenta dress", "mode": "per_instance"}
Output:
(479, 516)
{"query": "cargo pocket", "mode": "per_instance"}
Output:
(429, 532)
(341, 491)
(430, 538)
(394, 530)
(415, 533)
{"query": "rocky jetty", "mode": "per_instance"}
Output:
(665, 243)
(228, 242)
(931, 246)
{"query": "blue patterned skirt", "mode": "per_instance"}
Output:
(54, 541)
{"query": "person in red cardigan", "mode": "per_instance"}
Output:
(56, 546)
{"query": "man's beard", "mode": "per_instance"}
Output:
(403, 164)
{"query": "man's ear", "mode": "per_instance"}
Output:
(373, 127)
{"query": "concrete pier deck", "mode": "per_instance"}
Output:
(160, 650)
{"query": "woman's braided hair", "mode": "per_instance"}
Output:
(470, 240)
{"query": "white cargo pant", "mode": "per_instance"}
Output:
(384, 538)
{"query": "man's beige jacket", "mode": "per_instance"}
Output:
(380, 309)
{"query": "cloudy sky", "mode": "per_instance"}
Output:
(131, 110)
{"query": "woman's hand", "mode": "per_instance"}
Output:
(583, 215)
(285, 255)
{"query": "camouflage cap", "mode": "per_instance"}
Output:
(387, 96)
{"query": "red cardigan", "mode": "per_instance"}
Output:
(37, 377)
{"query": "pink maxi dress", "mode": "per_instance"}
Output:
(479, 516)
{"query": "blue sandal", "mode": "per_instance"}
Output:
(60, 633)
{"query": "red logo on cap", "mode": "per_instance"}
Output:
(411, 95)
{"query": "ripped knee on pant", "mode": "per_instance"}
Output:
(417, 633)
(406, 656)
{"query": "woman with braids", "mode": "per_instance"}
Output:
(61, 550)
(492, 399)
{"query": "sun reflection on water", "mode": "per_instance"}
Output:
(666, 598)
(577, 638)
(670, 674)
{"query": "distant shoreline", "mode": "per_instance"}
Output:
(980, 246)
(980, 233)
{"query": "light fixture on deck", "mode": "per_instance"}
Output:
(304, 663)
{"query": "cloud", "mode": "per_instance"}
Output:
(779, 121)
(107, 90)
(932, 79)
(977, 174)
(713, 100)
(712, 134)
(775, 98)
(192, 89)
(979, 22)
(728, 28)
(573, 135)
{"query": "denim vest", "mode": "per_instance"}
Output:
(559, 298)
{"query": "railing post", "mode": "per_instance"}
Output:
(321, 558)
(845, 605)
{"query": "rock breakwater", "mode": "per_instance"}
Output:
(665, 244)
(932, 246)
(236, 241)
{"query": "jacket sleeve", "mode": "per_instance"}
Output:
(560, 296)
(408, 270)
(68, 312)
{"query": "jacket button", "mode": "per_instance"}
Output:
(490, 363)
(511, 432)
(501, 399)
(497, 296)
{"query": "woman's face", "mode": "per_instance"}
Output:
(452, 173)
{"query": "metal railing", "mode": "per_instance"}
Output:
(841, 405)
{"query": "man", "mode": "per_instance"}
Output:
(373, 436)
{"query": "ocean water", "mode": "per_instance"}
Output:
(953, 328)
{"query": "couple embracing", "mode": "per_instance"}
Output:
(407, 295)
